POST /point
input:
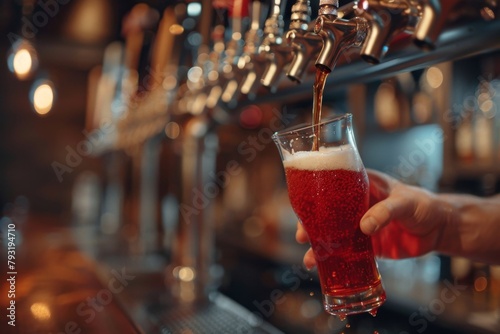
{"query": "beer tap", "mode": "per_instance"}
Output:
(273, 31)
(386, 19)
(205, 79)
(435, 13)
(338, 33)
(196, 143)
(231, 76)
(302, 39)
(278, 54)
(213, 80)
(427, 29)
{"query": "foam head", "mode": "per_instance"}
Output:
(326, 158)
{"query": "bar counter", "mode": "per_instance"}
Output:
(62, 285)
(58, 288)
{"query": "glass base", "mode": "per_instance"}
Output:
(364, 301)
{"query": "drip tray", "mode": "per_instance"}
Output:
(219, 316)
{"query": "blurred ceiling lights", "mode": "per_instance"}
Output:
(42, 96)
(22, 59)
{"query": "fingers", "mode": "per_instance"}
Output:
(301, 235)
(309, 260)
(382, 213)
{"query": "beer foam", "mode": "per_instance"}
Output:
(341, 157)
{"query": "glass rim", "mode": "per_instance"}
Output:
(305, 126)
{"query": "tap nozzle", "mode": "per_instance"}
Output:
(303, 42)
(428, 28)
(386, 19)
(434, 14)
(337, 33)
(274, 54)
(279, 57)
(259, 61)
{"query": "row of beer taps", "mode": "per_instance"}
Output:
(265, 54)
(243, 54)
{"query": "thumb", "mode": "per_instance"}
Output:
(385, 211)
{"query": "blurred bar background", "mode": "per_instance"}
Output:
(138, 169)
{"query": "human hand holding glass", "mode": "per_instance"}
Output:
(328, 190)
(403, 221)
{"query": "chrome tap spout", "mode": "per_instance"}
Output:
(264, 58)
(386, 19)
(427, 29)
(337, 33)
(305, 44)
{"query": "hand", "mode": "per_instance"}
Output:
(404, 221)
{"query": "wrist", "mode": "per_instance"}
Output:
(469, 228)
(448, 221)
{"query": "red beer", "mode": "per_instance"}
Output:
(328, 191)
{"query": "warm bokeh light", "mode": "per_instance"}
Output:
(186, 274)
(486, 106)
(480, 284)
(22, 63)
(236, 36)
(176, 29)
(434, 77)
(387, 111)
(88, 21)
(422, 107)
(22, 60)
(194, 74)
(213, 75)
(43, 97)
(40, 311)
(170, 82)
(172, 130)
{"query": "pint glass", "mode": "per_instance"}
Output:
(328, 190)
